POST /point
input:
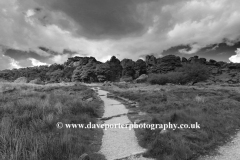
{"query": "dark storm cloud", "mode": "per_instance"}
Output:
(103, 18)
(23, 55)
(126, 28)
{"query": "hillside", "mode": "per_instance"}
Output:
(88, 69)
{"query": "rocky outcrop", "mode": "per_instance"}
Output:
(195, 59)
(87, 72)
(91, 70)
(142, 78)
(21, 80)
(76, 61)
(164, 64)
(88, 69)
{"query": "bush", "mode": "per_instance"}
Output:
(171, 77)
(177, 77)
(195, 72)
(160, 79)
(187, 73)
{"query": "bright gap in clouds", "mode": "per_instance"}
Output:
(15, 64)
(30, 13)
(235, 58)
(36, 62)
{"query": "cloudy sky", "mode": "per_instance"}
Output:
(38, 32)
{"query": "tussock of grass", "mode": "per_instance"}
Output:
(28, 118)
(217, 112)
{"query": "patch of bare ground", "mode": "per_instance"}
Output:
(229, 151)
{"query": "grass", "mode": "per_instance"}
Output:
(28, 118)
(217, 112)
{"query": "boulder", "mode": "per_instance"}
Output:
(36, 81)
(142, 78)
(21, 80)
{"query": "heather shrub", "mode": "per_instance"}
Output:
(187, 73)
(160, 79)
(195, 72)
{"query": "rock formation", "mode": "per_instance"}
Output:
(162, 65)
(88, 69)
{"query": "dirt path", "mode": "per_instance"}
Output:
(118, 143)
(231, 151)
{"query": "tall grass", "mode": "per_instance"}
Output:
(28, 118)
(217, 112)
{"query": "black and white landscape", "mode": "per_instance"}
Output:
(126, 62)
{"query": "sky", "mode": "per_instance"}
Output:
(42, 32)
